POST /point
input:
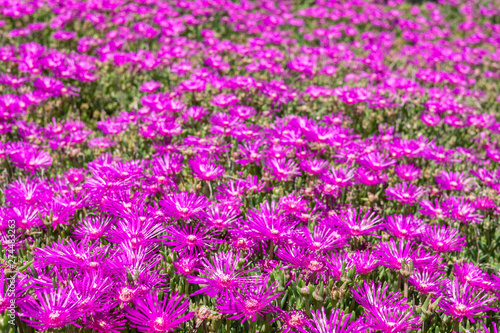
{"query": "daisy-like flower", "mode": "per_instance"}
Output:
(405, 193)
(222, 276)
(282, 169)
(339, 263)
(205, 169)
(355, 223)
(186, 265)
(392, 256)
(31, 159)
(464, 301)
(393, 320)
(407, 172)
(220, 217)
(268, 223)
(454, 181)
(105, 322)
(368, 177)
(293, 204)
(364, 261)
(167, 165)
(189, 239)
(293, 321)
(486, 176)
(461, 209)
(376, 161)
(313, 266)
(372, 297)
(251, 301)
(153, 316)
(467, 272)
(404, 227)
(314, 166)
(339, 322)
(323, 238)
(341, 177)
(51, 309)
(442, 238)
(430, 209)
(427, 282)
(184, 205)
(93, 227)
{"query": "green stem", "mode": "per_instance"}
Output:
(252, 326)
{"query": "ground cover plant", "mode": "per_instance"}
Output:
(249, 166)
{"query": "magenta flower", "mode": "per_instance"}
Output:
(368, 177)
(205, 169)
(427, 282)
(251, 301)
(393, 320)
(150, 86)
(372, 297)
(31, 159)
(442, 238)
(51, 309)
(461, 209)
(364, 261)
(187, 265)
(393, 256)
(464, 301)
(407, 172)
(467, 272)
(222, 276)
(307, 261)
(268, 223)
(154, 316)
(323, 238)
(341, 177)
(454, 181)
(355, 223)
(105, 322)
(184, 205)
(339, 322)
(282, 169)
(314, 166)
(376, 161)
(220, 217)
(189, 239)
(405, 193)
(432, 210)
(293, 321)
(404, 227)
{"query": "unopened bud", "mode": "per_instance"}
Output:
(203, 313)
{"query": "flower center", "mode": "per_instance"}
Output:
(159, 324)
(251, 305)
(191, 239)
(315, 265)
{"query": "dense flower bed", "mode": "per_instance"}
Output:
(267, 166)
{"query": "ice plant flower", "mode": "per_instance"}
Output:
(454, 181)
(338, 322)
(184, 205)
(189, 239)
(154, 316)
(51, 309)
(222, 276)
(464, 301)
(442, 238)
(404, 227)
(250, 302)
(405, 193)
(355, 223)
